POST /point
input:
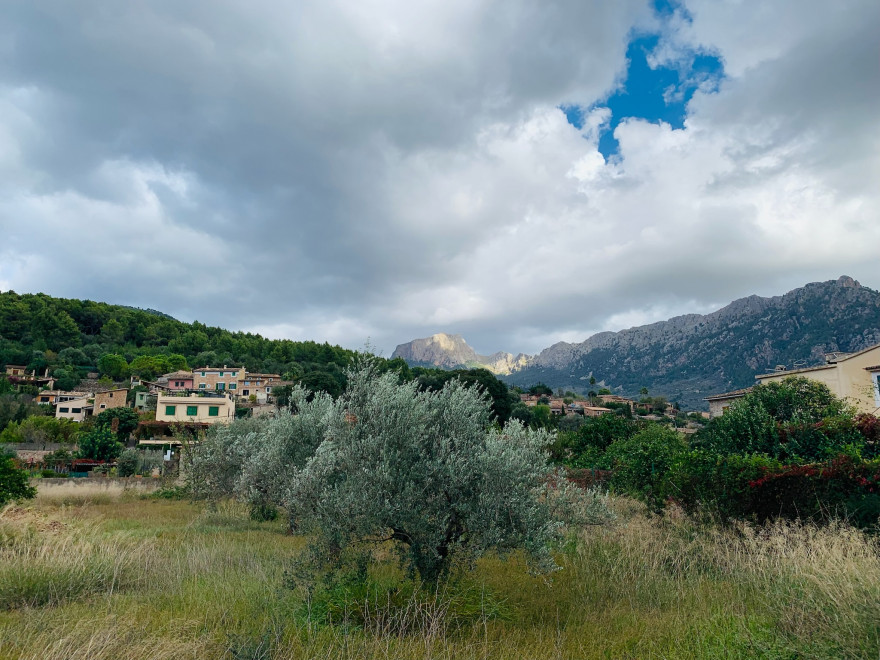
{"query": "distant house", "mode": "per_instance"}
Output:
(53, 397)
(721, 402)
(219, 379)
(614, 398)
(259, 385)
(16, 370)
(196, 408)
(75, 409)
(851, 376)
(110, 399)
(178, 380)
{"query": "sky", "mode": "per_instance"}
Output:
(519, 172)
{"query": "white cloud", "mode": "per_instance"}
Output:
(338, 171)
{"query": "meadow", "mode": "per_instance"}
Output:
(92, 570)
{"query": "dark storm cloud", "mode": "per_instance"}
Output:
(335, 170)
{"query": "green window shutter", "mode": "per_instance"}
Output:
(221, 386)
(213, 411)
(192, 411)
(233, 386)
(170, 410)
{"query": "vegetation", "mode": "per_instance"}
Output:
(41, 429)
(789, 449)
(99, 444)
(13, 481)
(386, 460)
(92, 570)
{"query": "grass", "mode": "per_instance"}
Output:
(108, 573)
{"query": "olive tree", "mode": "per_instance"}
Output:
(385, 462)
(428, 471)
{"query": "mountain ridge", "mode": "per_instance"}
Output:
(691, 356)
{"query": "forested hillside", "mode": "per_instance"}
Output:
(73, 337)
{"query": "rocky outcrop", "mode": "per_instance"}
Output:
(452, 352)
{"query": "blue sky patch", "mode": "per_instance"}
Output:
(658, 94)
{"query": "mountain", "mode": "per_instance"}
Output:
(452, 352)
(693, 356)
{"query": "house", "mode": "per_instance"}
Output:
(203, 408)
(721, 402)
(178, 380)
(75, 409)
(259, 385)
(614, 398)
(218, 378)
(261, 388)
(110, 399)
(53, 397)
(144, 401)
(16, 370)
(851, 376)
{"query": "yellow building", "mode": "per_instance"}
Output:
(851, 376)
(203, 409)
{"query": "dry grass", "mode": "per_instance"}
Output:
(57, 492)
(135, 578)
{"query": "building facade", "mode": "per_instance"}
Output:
(848, 375)
(218, 379)
(110, 399)
(75, 409)
(202, 409)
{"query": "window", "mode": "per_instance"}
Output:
(203, 374)
(221, 374)
(64, 410)
(43, 399)
(247, 382)
(213, 411)
(221, 386)
(192, 411)
(201, 386)
(76, 411)
(171, 410)
(103, 405)
(245, 392)
(268, 390)
(233, 386)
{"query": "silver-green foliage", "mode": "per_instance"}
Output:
(388, 462)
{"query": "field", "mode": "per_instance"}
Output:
(97, 571)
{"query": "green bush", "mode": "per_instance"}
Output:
(702, 481)
(39, 428)
(13, 482)
(99, 445)
(795, 420)
(641, 463)
(128, 462)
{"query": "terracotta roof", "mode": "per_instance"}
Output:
(178, 374)
(729, 395)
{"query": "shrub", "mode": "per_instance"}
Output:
(700, 480)
(793, 420)
(641, 463)
(13, 482)
(128, 462)
(841, 487)
(99, 445)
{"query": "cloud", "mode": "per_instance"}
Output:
(390, 170)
